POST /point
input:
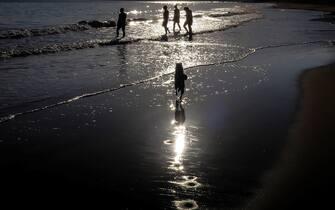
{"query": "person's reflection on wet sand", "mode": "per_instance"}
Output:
(122, 54)
(179, 114)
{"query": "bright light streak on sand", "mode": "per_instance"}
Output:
(179, 146)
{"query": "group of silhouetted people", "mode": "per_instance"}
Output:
(122, 20)
(176, 19)
(180, 76)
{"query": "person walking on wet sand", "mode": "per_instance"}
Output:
(176, 18)
(121, 23)
(179, 80)
(165, 19)
(188, 21)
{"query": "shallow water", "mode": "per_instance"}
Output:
(48, 78)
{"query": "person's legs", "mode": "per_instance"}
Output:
(181, 92)
(179, 26)
(179, 89)
(174, 24)
(190, 29)
(185, 27)
(117, 31)
(124, 31)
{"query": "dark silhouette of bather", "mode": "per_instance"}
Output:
(188, 21)
(179, 114)
(165, 19)
(121, 23)
(176, 18)
(179, 80)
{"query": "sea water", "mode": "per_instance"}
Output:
(47, 57)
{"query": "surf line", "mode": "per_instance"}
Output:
(86, 95)
(57, 48)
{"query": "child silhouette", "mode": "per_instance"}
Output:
(179, 80)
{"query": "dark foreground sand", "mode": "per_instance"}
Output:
(304, 176)
(119, 149)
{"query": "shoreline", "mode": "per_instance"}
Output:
(307, 6)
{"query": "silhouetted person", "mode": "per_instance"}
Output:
(165, 19)
(176, 18)
(179, 80)
(121, 23)
(188, 21)
(179, 114)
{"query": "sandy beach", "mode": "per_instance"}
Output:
(306, 162)
(247, 122)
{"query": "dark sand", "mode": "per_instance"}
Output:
(304, 176)
(110, 149)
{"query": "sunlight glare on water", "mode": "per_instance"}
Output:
(63, 75)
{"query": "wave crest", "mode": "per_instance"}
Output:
(28, 32)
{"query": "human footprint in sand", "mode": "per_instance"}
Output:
(179, 80)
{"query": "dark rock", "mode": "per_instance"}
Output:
(109, 23)
(83, 22)
(98, 24)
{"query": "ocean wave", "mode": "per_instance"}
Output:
(55, 48)
(16, 52)
(138, 19)
(52, 30)
(29, 32)
(226, 14)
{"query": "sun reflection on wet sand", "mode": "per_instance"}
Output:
(179, 147)
(180, 143)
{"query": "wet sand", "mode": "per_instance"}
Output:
(124, 150)
(304, 175)
(120, 149)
